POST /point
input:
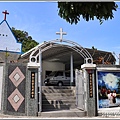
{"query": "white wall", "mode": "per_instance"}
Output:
(51, 66)
(7, 39)
(1, 80)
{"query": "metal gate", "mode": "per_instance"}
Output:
(79, 89)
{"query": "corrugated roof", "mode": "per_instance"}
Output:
(8, 57)
(62, 54)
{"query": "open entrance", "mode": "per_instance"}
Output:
(58, 55)
(61, 59)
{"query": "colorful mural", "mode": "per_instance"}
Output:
(108, 89)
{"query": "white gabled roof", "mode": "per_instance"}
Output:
(7, 39)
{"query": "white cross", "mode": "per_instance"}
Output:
(61, 33)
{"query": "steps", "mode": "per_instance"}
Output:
(59, 101)
(63, 113)
(57, 98)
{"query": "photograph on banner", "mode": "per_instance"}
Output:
(108, 89)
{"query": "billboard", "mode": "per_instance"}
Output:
(108, 89)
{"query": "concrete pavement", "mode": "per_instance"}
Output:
(31, 117)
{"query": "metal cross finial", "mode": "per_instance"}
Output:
(5, 14)
(61, 33)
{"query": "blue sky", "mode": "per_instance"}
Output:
(41, 21)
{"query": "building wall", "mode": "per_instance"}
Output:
(8, 40)
(18, 90)
(51, 66)
(1, 81)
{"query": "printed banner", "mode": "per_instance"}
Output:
(108, 89)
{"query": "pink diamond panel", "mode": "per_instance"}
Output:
(14, 79)
(16, 99)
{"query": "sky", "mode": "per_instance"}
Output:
(41, 21)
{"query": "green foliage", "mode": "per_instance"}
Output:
(27, 41)
(73, 11)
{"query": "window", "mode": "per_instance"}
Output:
(67, 74)
(47, 73)
(59, 73)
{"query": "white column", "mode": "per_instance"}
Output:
(39, 83)
(90, 101)
(71, 68)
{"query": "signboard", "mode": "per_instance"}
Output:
(90, 85)
(32, 84)
(108, 89)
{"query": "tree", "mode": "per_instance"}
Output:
(27, 41)
(73, 11)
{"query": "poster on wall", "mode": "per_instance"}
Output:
(108, 89)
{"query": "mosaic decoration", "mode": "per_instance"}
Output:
(16, 89)
(16, 76)
(15, 99)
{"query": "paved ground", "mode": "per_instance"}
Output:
(106, 114)
(28, 117)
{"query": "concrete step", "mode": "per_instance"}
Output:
(70, 101)
(57, 91)
(55, 97)
(63, 113)
(63, 104)
(55, 103)
(58, 102)
(58, 98)
(68, 93)
(58, 107)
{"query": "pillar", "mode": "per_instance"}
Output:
(31, 92)
(71, 68)
(91, 91)
(39, 83)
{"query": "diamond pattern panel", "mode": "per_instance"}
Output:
(16, 99)
(16, 76)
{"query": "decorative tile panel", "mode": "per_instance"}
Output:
(15, 89)
(16, 76)
(16, 99)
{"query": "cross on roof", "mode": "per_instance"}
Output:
(61, 33)
(5, 12)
